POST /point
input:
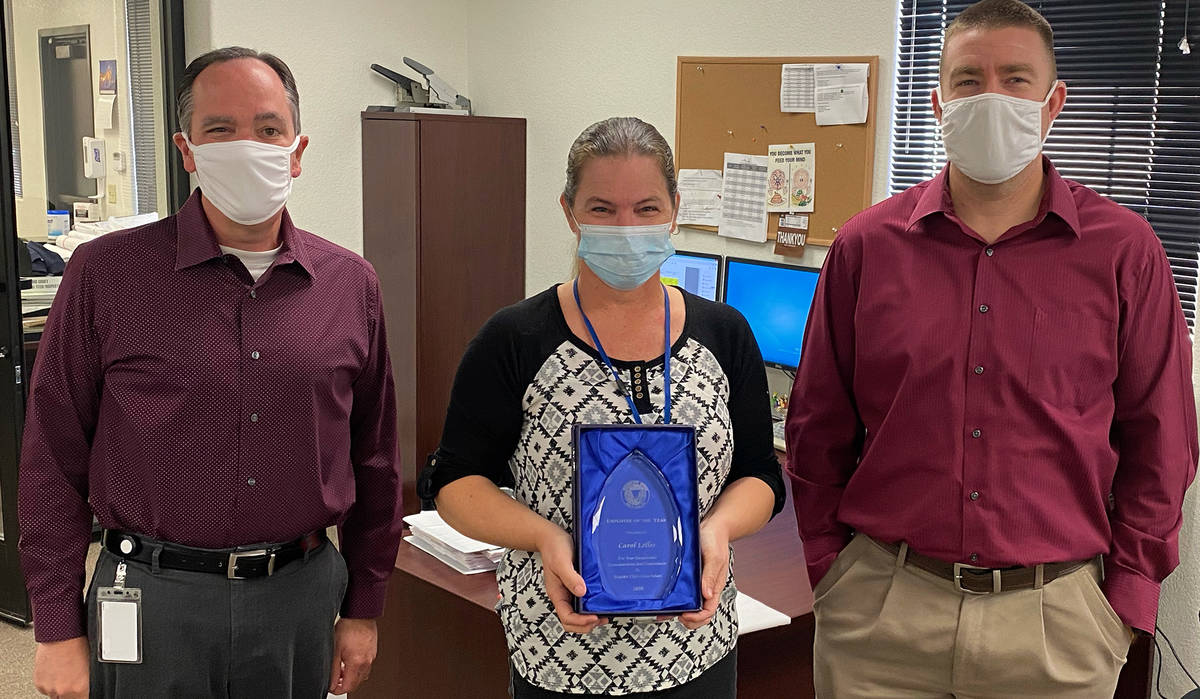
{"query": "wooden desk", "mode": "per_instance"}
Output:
(440, 636)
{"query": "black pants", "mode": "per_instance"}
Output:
(204, 635)
(717, 682)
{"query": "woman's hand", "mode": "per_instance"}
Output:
(714, 554)
(562, 580)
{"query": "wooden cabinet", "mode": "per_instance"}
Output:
(444, 226)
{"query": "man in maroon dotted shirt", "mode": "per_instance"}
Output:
(215, 389)
(992, 426)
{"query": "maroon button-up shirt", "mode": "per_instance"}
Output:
(1024, 402)
(176, 398)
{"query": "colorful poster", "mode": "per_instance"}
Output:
(791, 177)
(108, 77)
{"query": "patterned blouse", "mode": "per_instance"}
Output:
(524, 381)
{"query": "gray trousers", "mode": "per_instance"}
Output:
(206, 636)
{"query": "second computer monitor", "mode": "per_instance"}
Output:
(775, 299)
(696, 272)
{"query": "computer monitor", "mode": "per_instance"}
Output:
(697, 272)
(775, 299)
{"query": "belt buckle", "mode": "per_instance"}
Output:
(231, 568)
(958, 569)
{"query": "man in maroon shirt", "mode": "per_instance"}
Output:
(215, 388)
(992, 426)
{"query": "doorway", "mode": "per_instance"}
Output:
(67, 113)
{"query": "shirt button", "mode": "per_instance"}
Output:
(254, 355)
(989, 252)
(254, 418)
(978, 369)
(253, 294)
(983, 308)
(974, 494)
(250, 481)
(976, 434)
(974, 557)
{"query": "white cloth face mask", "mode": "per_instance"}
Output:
(991, 137)
(248, 181)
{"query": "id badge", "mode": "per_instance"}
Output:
(119, 624)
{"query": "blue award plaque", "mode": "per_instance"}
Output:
(637, 519)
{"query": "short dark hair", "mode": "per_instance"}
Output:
(183, 101)
(997, 14)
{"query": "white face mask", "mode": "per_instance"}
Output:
(991, 137)
(248, 181)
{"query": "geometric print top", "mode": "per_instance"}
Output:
(523, 383)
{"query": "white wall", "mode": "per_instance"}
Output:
(565, 65)
(330, 47)
(106, 20)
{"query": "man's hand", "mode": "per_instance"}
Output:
(60, 669)
(355, 642)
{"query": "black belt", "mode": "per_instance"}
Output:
(235, 564)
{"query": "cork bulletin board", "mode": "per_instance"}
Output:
(731, 105)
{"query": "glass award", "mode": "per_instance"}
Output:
(637, 535)
(637, 519)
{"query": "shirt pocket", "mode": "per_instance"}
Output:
(1072, 358)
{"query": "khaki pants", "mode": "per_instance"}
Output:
(885, 629)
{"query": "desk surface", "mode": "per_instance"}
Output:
(768, 566)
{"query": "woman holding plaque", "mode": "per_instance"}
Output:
(640, 406)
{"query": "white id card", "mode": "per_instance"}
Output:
(119, 624)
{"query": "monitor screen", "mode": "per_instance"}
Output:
(775, 300)
(697, 272)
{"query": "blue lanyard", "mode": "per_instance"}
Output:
(666, 357)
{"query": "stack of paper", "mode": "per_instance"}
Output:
(37, 293)
(431, 534)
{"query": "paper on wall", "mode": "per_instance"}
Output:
(744, 197)
(792, 177)
(841, 93)
(792, 236)
(699, 197)
(797, 86)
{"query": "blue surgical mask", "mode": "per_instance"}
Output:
(624, 257)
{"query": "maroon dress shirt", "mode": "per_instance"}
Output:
(1023, 402)
(176, 398)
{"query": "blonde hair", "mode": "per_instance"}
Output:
(618, 136)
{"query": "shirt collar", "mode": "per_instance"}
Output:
(1057, 198)
(197, 243)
